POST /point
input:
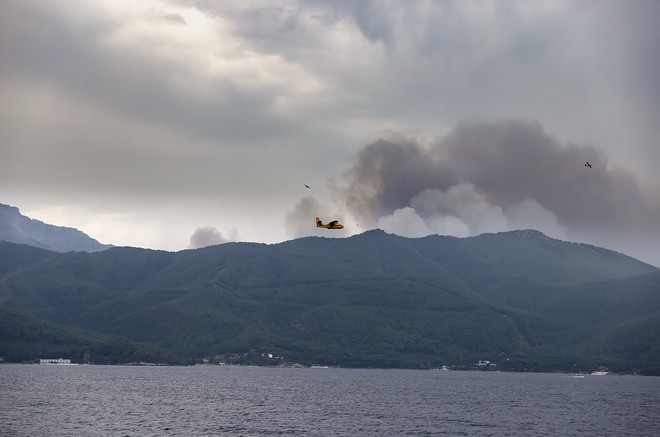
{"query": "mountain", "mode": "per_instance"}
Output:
(518, 299)
(16, 228)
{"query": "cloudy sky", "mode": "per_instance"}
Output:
(171, 124)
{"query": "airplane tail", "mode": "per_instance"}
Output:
(319, 223)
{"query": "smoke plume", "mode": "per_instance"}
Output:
(498, 175)
(210, 236)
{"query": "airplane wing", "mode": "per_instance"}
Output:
(332, 223)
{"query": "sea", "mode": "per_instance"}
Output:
(86, 400)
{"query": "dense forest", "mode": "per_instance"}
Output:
(519, 300)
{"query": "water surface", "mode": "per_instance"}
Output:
(250, 401)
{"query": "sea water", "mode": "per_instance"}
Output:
(256, 401)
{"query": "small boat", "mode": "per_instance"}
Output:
(443, 368)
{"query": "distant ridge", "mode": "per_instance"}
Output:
(520, 300)
(17, 228)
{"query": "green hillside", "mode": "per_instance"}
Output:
(17, 256)
(518, 299)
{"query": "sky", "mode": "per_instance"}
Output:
(172, 124)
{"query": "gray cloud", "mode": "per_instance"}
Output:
(195, 109)
(138, 69)
(210, 236)
(447, 60)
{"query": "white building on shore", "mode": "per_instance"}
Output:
(60, 361)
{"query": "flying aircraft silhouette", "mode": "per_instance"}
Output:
(308, 186)
(330, 225)
(587, 164)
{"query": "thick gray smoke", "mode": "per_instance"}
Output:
(210, 236)
(386, 174)
(498, 175)
(514, 160)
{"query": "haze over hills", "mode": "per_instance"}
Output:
(519, 299)
(17, 228)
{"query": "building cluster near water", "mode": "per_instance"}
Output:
(60, 361)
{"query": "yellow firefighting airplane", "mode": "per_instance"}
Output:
(331, 225)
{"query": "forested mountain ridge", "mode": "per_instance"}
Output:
(520, 299)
